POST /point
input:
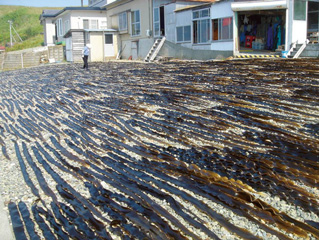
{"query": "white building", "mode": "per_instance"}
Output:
(47, 20)
(231, 27)
(76, 26)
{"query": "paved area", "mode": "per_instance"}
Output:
(6, 232)
(176, 150)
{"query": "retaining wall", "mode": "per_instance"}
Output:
(31, 57)
(312, 50)
(173, 50)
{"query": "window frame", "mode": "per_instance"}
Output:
(88, 23)
(66, 26)
(96, 25)
(300, 10)
(157, 32)
(60, 27)
(135, 25)
(122, 17)
(106, 35)
(199, 19)
(220, 29)
(183, 34)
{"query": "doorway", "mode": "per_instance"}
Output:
(262, 30)
(96, 40)
(162, 21)
(108, 46)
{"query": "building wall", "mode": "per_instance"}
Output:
(170, 22)
(222, 10)
(78, 16)
(64, 17)
(75, 19)
(299, 31)
(77, 45)
(184, 18)
(49, 32)
(143, 42)
(158, 3)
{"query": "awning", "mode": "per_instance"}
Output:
(253, 6)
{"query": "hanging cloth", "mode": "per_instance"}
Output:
(226, 21)
(270, 38)
(278, 37)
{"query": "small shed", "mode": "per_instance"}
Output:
(2, 49)
(103, 44)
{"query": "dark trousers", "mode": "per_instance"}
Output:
(85, 60)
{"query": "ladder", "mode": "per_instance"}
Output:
(155, 49)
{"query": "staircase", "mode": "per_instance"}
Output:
(155, 49)
(2, 55)
(12, 61)
(297, 49)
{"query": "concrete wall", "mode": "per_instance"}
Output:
(312, 50)
(176, 51)
(143, 47)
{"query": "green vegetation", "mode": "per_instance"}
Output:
(27, 24)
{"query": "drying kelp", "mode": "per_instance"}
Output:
(178, 150)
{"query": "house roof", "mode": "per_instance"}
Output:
(50, 12)
(55, 13)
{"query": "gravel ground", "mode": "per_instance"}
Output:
(174, 150)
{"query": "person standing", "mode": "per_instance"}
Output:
(85, 56)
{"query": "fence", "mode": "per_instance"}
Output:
(31, 57)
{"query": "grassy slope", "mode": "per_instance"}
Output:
(27, 24)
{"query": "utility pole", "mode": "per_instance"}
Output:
(10, 22)
(81, 3)
(11, 35)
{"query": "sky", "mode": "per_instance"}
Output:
(44, 3)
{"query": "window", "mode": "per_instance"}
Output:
(156, 22)
(300, 9)
(90, 24)
(60, 27)
(87, 37)
(136, 25)
(313, 16)
(66, 26)
(201, 26)
(94, 24)
(183, 34)
(123, 21)
(103, 25)
(222, 29)
(108, 38)
(86, 24)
